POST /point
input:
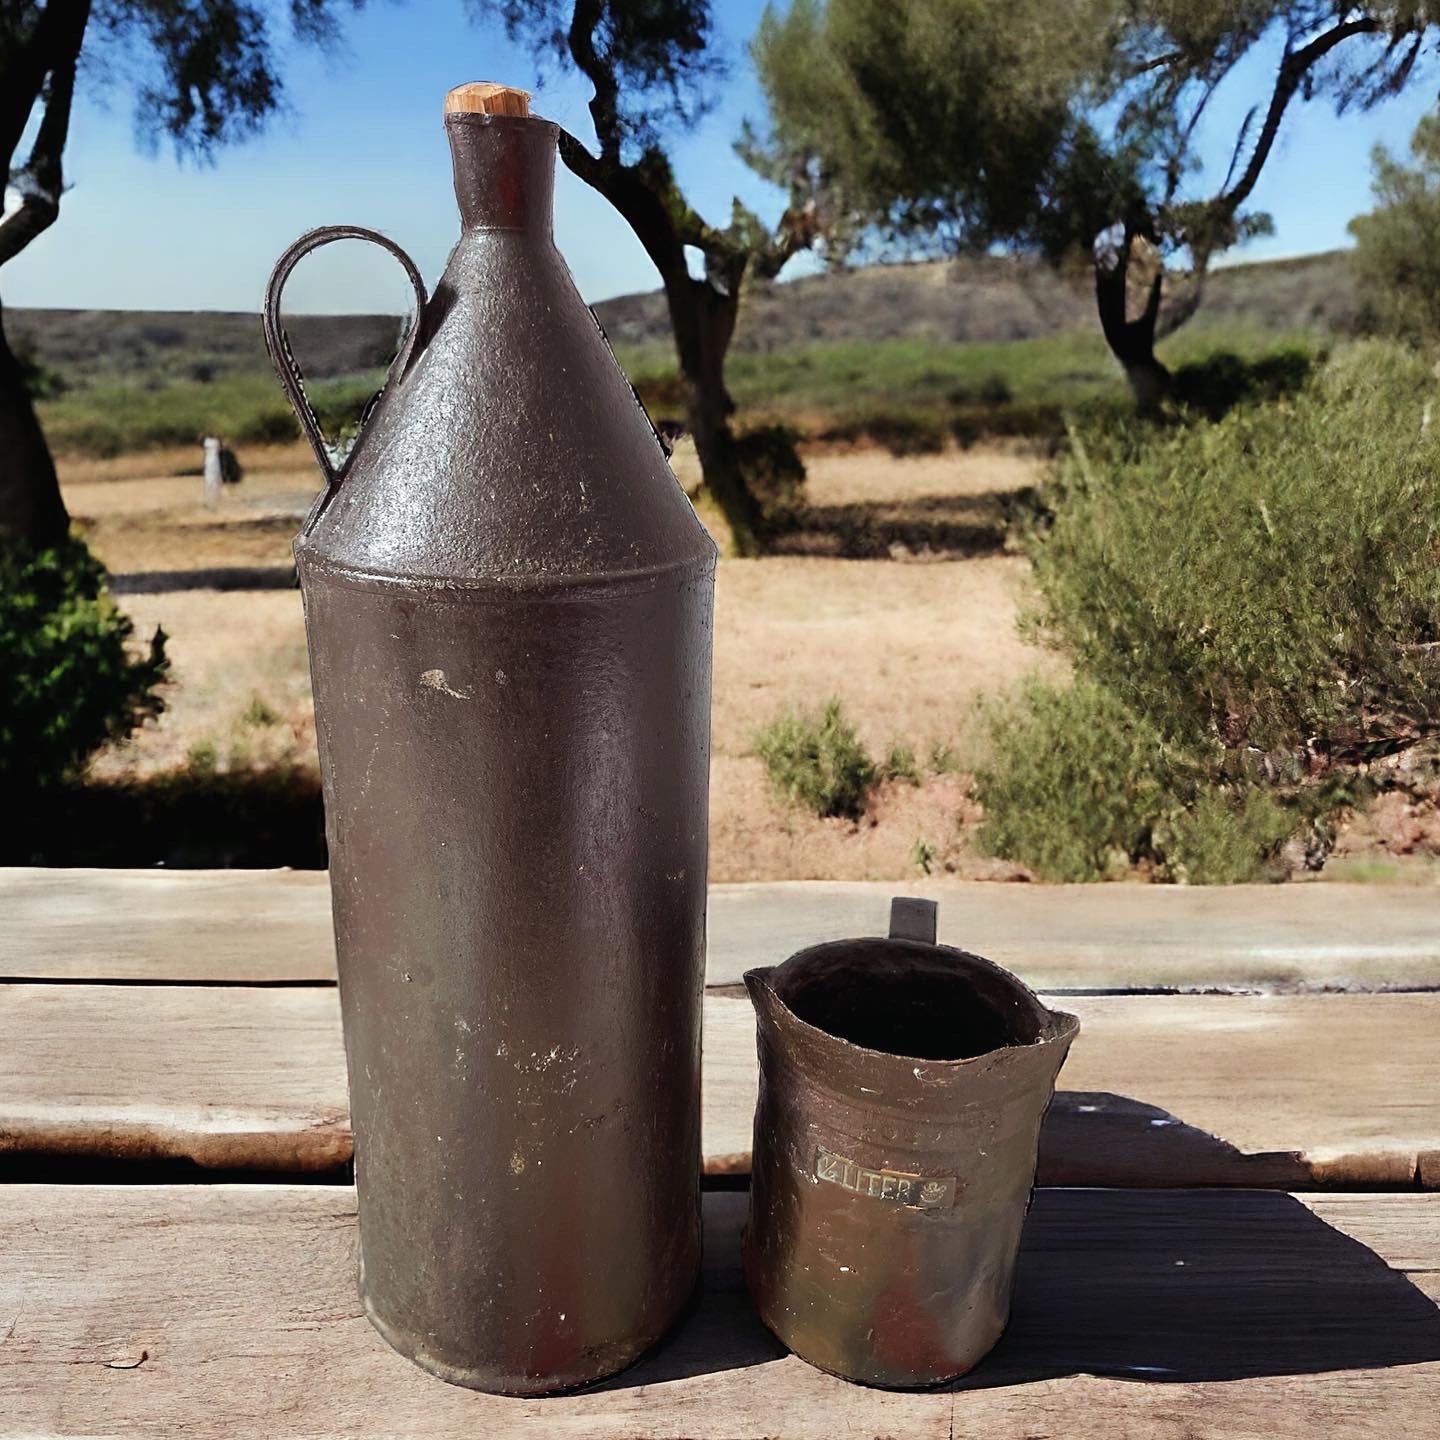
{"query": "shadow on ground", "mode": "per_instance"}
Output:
(928, 527)
(188, 820)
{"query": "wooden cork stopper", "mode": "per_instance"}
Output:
(484, 97)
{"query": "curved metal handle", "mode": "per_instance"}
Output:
(277, 342)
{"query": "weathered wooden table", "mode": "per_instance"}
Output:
(1247, 1241)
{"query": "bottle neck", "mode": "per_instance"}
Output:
(504, 171)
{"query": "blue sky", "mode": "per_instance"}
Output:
(362, 143)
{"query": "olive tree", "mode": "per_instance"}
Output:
(1066, 128)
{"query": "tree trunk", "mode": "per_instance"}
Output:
(704, 320)
(32, 514)
(1132, 342)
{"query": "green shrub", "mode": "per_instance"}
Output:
(258, 712)
(900, 764)
(113, 417)
(40, 380)
(818, 762)
(69, 677)
(1252, 608)
(1269, 581)
(1077, 787)
(944, 759)
(1223, 837)
(1073, 782)
(904, 432)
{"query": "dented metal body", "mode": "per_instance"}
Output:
(902, 1086)
(508, 605)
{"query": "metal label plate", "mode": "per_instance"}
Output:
(897, 1187)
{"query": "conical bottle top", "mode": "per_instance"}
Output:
(510, 449)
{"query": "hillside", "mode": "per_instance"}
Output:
(992, 299)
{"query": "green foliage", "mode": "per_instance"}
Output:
(40, 380)
(907, 394)
(944, 759)
(1073, 782)
(951, 123)
(258, 712)
(656, 53)
(1079, 788)
(818, 761)
(69, 677)
(1268, 581)
(113, 417)
(1397, 246)
(923, 855)
(900, 764)
(1252, 607)
(1223, 836)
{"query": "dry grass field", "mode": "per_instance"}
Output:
(908, 640)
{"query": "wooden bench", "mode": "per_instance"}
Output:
(156, 1027)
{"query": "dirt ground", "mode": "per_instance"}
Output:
(908, 642)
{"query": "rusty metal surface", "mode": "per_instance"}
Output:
(508, 600)
(902, 1086)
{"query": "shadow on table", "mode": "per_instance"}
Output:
(1148, 1284)
(1200, 1285)
(721, 1330)
(1097, 1138)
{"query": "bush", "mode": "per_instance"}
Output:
(818, 762)
(69, 680)
(900, 764)
(905, 433)
(114, 417)
(40, 380)
(1268, 581)
(1252, 608)
(1224, 837)
(1078, 787)
(1073, 782)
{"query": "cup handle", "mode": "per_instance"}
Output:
(913, 919)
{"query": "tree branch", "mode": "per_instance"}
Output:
(56, 37)
(605, 101)
(43, 178)
(1293, 69)
(798, 227)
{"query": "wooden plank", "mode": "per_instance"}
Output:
(224, 1077)
(1284, 1092)
(220, 1310)
(273, 926)
(227, 925)
(1271, 937)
